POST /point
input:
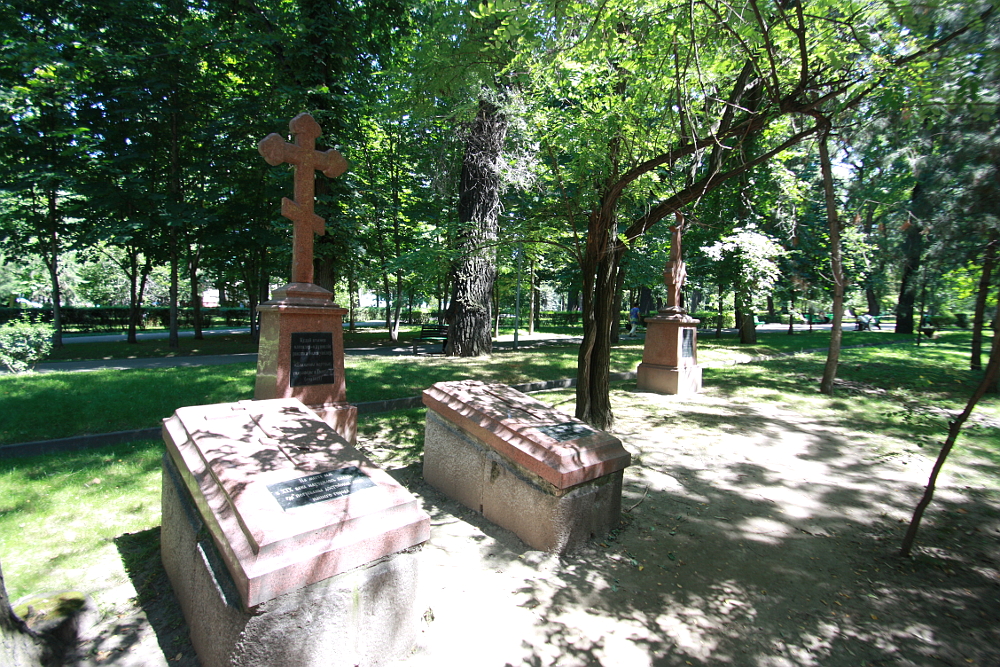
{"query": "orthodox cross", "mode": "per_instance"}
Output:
(304, 157)
(675, 271)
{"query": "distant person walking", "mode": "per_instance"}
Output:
(633, 319)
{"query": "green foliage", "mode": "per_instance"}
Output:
(747, 261)
(23, 344)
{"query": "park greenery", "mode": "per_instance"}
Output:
(23, 343)
(499, 142)
(896, 393)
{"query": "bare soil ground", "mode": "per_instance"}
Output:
(754, 534)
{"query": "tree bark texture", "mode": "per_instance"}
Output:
(473, 273)
(602, 255)
(913, 250)
(989, 259)
(954, 427)
(174, 340)
(836, 266)
(194, 256)
(52, 263)
(19, 647)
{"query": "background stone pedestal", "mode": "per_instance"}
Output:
(670, 356)
(366, 616)
(296, 309)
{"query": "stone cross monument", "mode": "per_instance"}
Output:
(670, 354)
(301, 353)
(306, 159)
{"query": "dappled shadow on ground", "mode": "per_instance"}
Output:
(125, 640)
(753, 536)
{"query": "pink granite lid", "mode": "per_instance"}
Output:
(559, 448)
(286, 490)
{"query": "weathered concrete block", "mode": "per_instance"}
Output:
(286, 545)
(367, 616)
(550, 479)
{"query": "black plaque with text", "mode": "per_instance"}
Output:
(312, 359)
(687, 343)
(320, 487)
(566, 431)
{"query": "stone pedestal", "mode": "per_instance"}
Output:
(301, 354)
(549, 478)
(284, 544)
(670, 356)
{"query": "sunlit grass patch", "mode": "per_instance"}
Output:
(60, 514)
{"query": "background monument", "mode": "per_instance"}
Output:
(301, 352)
(670, 354)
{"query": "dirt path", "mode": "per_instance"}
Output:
(755, 536)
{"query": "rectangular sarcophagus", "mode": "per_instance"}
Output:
(549, 478)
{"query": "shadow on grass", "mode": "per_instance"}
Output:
(140, 554)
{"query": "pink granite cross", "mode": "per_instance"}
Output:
(306, 159)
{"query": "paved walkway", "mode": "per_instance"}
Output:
(505, 343)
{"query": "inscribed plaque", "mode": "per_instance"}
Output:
(687, 343)
(312, 359)
(320, 487)
(566, 431)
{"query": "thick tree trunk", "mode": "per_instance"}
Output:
(19, 646)
(989, 259)
(913, 249)
(601, 259)
(474, 272)
(745, 319)
(836, 266)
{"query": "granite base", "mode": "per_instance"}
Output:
(367, 616)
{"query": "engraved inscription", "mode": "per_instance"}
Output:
(320, 487)
(312, 359)
(566, 431)
(687, 343)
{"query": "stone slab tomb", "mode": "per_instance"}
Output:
(551, 479)
(284, 544)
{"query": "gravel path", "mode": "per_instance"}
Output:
(756, 535)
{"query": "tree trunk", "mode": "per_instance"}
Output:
(745, 319)
(836, 265)
(474, 272)
(52, 263)
(137, 288)
(913, 248)
(718, 318)
(174, 340)
(602, 255)
(989, 259)
(397, 309)
(194, 256)
(19, 646)
(954, 427)
(532, 297)
(352, 296)
(616, 305)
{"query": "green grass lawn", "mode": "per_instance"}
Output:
(59, 405)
